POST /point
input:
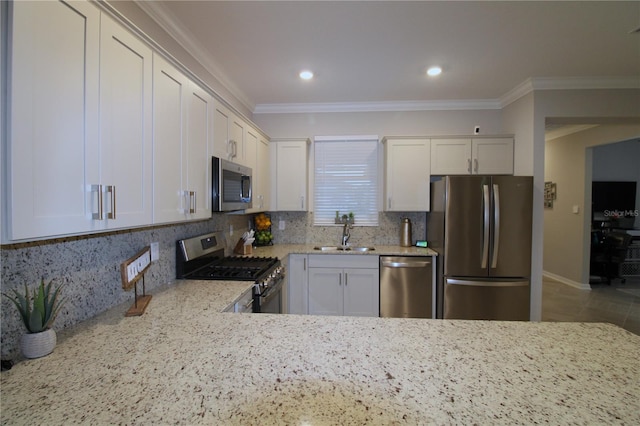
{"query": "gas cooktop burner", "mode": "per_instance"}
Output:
(203, 258)
(236, 268)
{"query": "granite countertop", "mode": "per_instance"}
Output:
(183, 362)
(282, 250)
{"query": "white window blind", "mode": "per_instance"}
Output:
(346, 180)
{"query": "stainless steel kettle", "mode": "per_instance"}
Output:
(405, 232)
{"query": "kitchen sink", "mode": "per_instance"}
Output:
(330, 248)
(343, 248)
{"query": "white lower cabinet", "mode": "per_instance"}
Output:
(298, 287)
(343, 285)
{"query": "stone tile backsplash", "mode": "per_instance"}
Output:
(89, 266)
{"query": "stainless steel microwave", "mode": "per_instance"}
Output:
(230, 186)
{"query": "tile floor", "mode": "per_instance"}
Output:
(617, 304)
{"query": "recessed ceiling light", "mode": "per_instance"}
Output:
(306, 75)
(434, 71)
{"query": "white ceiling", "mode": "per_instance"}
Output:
(376, 53)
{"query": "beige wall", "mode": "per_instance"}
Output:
(567, 163)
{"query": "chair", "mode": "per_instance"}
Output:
(607, 254)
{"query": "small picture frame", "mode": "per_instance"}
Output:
(549, 194)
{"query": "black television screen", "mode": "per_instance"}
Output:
(609, 197)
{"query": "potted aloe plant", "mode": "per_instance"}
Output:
(38, 312)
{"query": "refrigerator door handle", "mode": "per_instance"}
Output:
(496, 225)
(485, 236)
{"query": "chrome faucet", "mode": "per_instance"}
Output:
(345, 233)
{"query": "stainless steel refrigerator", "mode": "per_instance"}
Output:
(481, 228)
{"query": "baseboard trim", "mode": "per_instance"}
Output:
(566, 281)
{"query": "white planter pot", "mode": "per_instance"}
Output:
(36, 345)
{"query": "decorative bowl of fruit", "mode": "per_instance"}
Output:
(263, 235)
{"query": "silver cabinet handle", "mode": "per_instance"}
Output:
(346, 278)
(235, 149)
(304, 264)
(389, 203)
(340, 279)
(100, 214)
(469, 165)
(192, 201)
(475, 165)
(111, 189)
(485, 236)
(496, 225)
(302, 202)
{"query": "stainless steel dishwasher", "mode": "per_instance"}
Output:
(406, 287)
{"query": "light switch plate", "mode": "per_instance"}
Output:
(155, 251)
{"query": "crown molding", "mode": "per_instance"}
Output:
(159, 14)
(377, 106)
(568, 83)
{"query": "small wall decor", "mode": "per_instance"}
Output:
(549, 194)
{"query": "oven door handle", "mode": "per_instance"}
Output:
(273, 292)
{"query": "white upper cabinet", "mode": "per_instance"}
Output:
(126, 177)
(407, 174)
(196, 181)
(169, 143)
(52, 155)
(289, 173)
(478, 156)
(492, 156)
(229, 134)
(182, 128)
(221, 119)
(257, 157)
(263, 176)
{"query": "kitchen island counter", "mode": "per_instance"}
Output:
(183, 362)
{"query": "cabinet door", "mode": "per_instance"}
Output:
(493, 156)
(221, 120)
(53, 131)
(291, 176)
(196, 187)
(251, 155)
(236, 139)
(408, 167)
(361, 292)
(325, 291)
(169, 117)
(263, 173)
(297, 288)
(451, 157)
(125, 126)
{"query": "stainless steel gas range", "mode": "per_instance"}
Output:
(202, 258)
